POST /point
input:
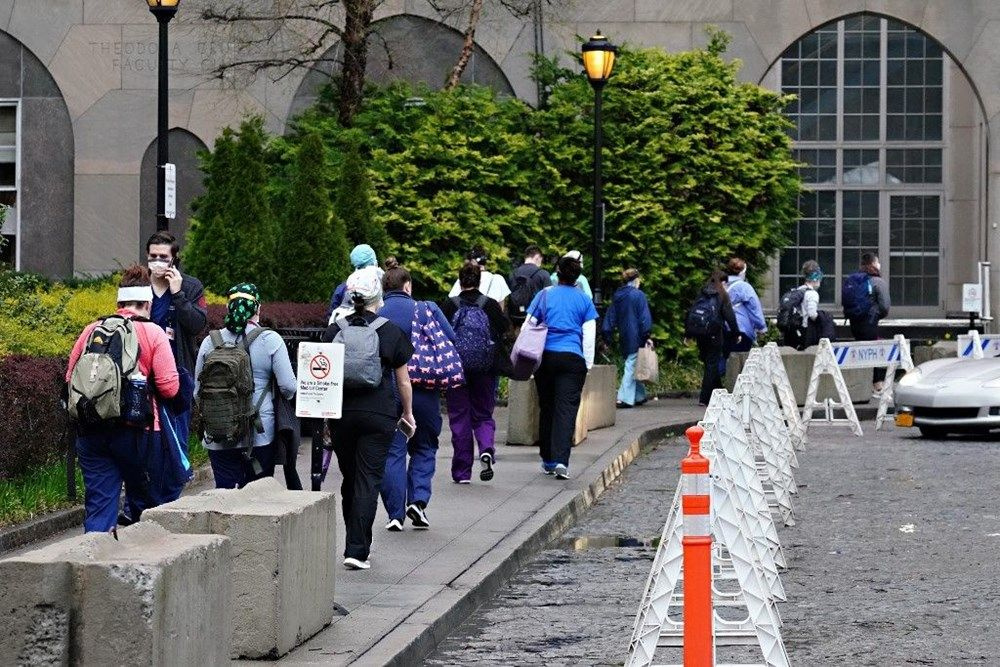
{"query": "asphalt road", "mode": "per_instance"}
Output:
(893, 561)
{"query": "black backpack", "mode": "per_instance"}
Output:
(523, 291)
(790, 310)
(704, 318)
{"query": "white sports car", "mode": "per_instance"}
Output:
(952, 395)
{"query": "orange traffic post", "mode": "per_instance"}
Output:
(697, 541)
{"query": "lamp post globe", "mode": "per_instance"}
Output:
(598, 62)
(163, 10)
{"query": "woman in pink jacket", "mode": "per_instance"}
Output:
(128, 448)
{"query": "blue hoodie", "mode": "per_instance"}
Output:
(629, 312)
(746, 304)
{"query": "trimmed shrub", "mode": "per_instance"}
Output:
(279, 315)
(33, 424)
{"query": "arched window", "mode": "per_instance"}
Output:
(873, 127)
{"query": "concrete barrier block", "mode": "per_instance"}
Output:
(284, 555)
(523, 415)
(600, 394)
(147, 598)
(799, 366)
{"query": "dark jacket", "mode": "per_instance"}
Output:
(629, 313)
(730, 328)
(189, 316)
(336, 299)
(535, 277)
(499, 323)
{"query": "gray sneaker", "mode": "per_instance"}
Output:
(561, 471)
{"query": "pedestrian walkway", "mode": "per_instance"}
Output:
(423, 584)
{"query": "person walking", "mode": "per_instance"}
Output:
(800, 319)
(526, 281)
(119, 436)
(715, 322)
(406, 489)
(629, 314)
(480, 327)
(569, 353)
(236, 464)
(746, 305)
(362, 436)
(865, 298)
(362, 256)
(581, 283)
(180, 309)
(493, 285)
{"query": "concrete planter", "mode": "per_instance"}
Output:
(799, 367)
(597, 407)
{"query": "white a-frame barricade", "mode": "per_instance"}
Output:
(786, 397)
(832, 359)
(768, 434)
(746, 555)
(975, 345)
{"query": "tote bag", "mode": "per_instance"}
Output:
(435, 363)
(526, 355)
(647, 366)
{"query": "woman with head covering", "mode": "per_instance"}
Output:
(235, 464)
(362, 256)
(581, 283)
(629, 314)
(361, 437)
(569, 352)
(117, 450)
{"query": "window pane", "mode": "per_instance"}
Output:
(914, 223)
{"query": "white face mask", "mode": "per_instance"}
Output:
(158, 266)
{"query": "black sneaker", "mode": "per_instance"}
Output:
(486, 465)
(418, 517)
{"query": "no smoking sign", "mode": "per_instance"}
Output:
(320, 380)
(319, 366)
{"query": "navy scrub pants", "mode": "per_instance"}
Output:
(402, 484)
(110, 457)
(232, 470)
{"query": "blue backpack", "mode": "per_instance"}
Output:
(473, 341)
(704, 318)
(856, 295)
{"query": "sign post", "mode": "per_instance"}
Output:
(972, 301)
(170, 191)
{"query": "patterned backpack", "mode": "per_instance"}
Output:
(435, 363)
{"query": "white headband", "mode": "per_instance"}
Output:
(126, 294)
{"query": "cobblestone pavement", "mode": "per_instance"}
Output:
(893, 562)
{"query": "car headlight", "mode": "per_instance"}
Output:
(911, 378)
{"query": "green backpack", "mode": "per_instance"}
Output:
(101, 373)
(225, 391)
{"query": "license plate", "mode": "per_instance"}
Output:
(905, 419)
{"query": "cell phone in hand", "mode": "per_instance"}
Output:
(406, 428)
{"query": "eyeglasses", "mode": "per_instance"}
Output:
(152, 258)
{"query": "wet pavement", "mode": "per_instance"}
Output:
(893, 562)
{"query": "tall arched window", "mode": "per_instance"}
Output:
(872, 127)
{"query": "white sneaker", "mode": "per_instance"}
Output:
(394, 526)
(357, 564)
(562, 472)
(418, 517)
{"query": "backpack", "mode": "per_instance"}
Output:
(225, 391)
(704, 318)
(435, 363)
(523, 291)
(790, 310)
(472, 335)
(856, 295)
(99, 384)
(362, 360)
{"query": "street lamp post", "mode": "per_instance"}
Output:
(598, 61)
(163, 10)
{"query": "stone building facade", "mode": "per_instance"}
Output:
(897, 111)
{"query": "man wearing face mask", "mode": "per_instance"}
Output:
(179, 308)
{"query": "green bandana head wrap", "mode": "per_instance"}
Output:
(243, 301)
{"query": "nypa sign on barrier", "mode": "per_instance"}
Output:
(867, 354)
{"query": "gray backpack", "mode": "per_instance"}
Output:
(362, 361)
(98, 381)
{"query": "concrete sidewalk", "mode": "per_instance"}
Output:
(423, 584)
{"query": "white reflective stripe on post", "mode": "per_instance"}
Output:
(697, 525)
(697, 485)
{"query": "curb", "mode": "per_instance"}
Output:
(428, 639)
(47, 525)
